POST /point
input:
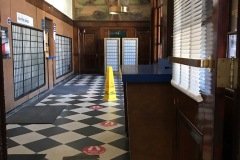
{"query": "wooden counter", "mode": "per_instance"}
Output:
(150, 115)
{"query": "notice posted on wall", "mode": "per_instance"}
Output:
(5, 43)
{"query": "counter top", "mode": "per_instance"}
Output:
(161, 72)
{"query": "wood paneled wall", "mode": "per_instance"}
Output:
(200, 125)
(33, 9)
(3, 139)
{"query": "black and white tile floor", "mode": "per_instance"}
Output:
(88, 125)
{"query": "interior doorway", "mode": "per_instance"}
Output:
(49, 50)
(89, 52)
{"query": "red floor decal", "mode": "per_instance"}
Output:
(96, 107)
(94, 150)
(108, 124)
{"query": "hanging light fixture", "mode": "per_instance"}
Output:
(117, 9)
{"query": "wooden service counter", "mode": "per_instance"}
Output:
(150, 115)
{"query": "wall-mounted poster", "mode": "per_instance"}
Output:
(5, 43)
(98, 10)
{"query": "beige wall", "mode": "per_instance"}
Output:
(9, 8)
(65, 6)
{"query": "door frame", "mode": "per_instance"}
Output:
(3, 135)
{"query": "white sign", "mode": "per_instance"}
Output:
(54, 31)
(24, 19)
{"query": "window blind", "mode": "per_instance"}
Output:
(63, 47)
(192, 39)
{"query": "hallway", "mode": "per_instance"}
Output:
(86, 124)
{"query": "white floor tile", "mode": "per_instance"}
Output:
(57, 153)
(73, 126)
(78, 117)
(20, 150)
(67, 137)
(27, 138)
(111, 152)
(37, 127)
(106, 137)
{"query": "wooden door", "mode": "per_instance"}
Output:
(199, 125)
(231, 125)
(89, 54)
(144, 46)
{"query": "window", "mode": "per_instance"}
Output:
(28, 59)
(63, 55)
(192, 39)
(158, 27)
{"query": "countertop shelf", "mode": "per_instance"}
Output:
(161, 72)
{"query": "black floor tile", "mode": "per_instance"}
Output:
(121, 143)
(123, 157)
(94, 113)
(120, 120)
(52, 131)
(120, 113)
(26, 157)
(41, 145)
(71, 107)
(17, 131)
(119, 130)
(88, 131)
(67, 113)
(11, 143)
(80, 144)
(91, 121)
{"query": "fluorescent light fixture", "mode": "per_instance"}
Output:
(118, 9)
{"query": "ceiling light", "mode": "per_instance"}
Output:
(118, 9)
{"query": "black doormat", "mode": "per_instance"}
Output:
(26, 156)
(82, 156)
(35, 115)
(70, 90)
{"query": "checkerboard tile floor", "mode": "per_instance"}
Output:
(88, 125)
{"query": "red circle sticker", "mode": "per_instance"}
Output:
(94, 150)
(108, 124)
(96, 107)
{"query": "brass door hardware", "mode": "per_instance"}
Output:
(227, 72)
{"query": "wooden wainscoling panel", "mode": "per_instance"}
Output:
(144, 46)
(88, 24)
(195, 127)
(230, 134)
(76, 50)
(151, 119)
(189, 139)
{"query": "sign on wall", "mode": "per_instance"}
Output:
(24, 19)
(5, 43)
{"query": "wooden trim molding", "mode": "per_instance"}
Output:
(202, 63)
(112, 24)
(51, 10)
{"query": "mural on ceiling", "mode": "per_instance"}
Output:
(97, 10)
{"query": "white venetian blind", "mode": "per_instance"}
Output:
(192, 39)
